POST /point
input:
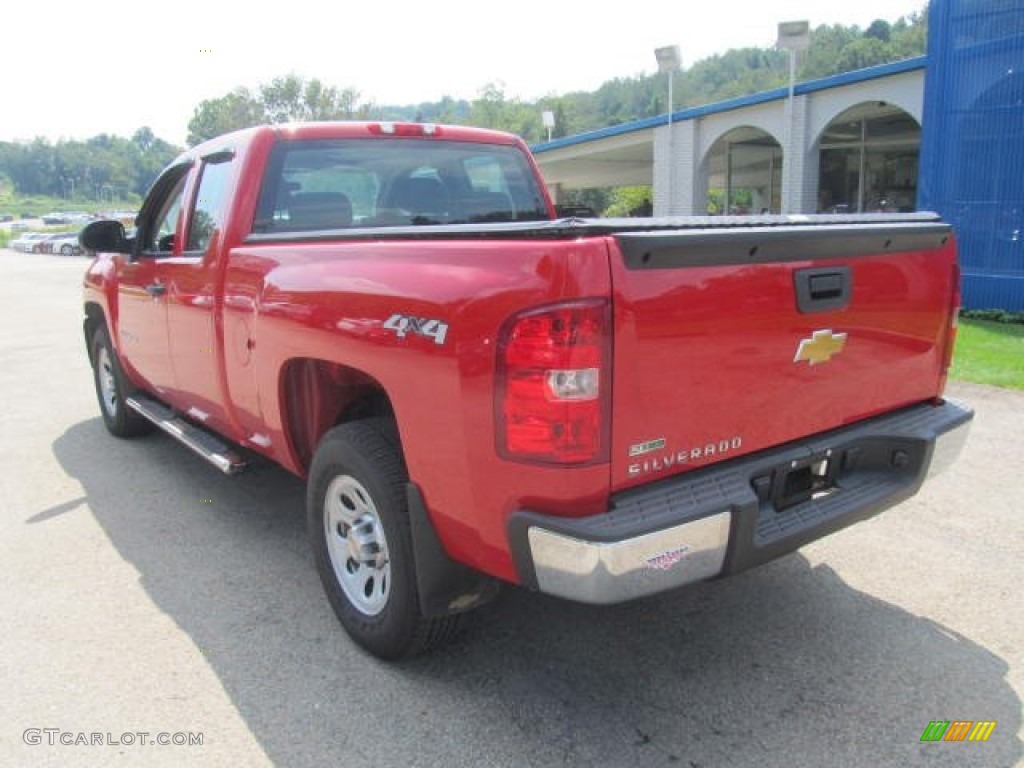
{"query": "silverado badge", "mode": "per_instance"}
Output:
(820, 347)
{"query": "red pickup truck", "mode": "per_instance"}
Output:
(480, 392)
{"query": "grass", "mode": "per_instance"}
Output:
(990, 353)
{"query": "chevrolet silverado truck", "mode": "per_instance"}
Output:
(478, 391)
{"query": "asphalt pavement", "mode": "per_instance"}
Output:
(145, 593)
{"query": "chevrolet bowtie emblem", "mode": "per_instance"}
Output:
(820, 347)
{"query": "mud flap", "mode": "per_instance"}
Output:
(445, 586)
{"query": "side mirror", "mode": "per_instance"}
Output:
(105, 235)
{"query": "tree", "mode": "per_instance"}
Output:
(285, 99)
(292, 99)
(627, 201)
(866, 52)
(234, 111)
(153, 155)
(493, 110)
(879, 30)
(910, 35)
(143, 138)
(102, 167)
(488, 110)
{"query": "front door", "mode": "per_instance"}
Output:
(143, 341)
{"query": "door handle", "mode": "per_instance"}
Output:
(156, 289)
(821, 289)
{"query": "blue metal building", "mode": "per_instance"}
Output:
(972, 143)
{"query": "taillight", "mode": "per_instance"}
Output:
(954, 321)
(554, 384)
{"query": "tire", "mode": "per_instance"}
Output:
(112, 388)
(359, 530)
(66, 250)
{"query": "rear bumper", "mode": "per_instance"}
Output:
(738, 514)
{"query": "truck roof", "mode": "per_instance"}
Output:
(351, 129)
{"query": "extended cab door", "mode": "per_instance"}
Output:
(142, 289)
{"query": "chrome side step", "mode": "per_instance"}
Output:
(202, 442)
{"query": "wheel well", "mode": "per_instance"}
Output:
(317, 395)
(94, 318)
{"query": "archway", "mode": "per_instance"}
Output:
(744, 173)
(868, 160)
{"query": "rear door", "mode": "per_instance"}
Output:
(729, 341)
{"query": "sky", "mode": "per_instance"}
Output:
(73, 70)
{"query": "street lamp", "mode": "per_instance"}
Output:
(547, 117)
(794, 36)
(669, 61)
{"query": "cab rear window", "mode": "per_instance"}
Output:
(331, 184)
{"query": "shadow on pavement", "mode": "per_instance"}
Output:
(786, 665)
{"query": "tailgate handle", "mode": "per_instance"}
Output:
(819, 289)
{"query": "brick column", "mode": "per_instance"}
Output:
(798, 192)
(680, 163)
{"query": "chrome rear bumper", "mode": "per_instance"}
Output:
(599, 572)
(727, 518)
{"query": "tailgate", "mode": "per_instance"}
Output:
(731, 341)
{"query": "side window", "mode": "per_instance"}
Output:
(209, 207)
(160, 236)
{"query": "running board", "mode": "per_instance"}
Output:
(202, 442)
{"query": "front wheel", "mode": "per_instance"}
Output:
(111, 389)
(359, 529)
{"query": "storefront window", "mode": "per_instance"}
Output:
(745, 174)
(869, 161)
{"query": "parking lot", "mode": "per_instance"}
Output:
(146, 593)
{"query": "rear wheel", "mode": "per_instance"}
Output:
(359, 529)
(111, 389)
(66, 250)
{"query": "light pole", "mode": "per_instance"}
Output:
(547, 117)
(794, 36)
(669, 61)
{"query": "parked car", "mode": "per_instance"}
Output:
(45, 243)
(66, 244)
(26, 242)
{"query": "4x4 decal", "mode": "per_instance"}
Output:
(403, 325)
